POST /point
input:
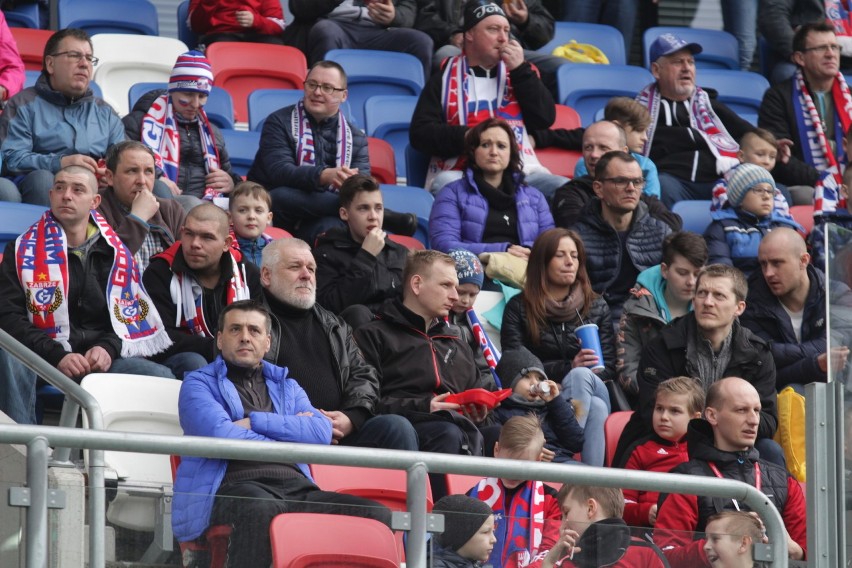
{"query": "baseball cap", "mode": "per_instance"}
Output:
(669, 43)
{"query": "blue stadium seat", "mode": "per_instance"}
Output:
(695, 214)
(23, 16)
(15, 218)
(110, 16)
(720, 48)
(416, 166)
(219, 107)
(242, 147)
(371, 73)
(389, 118)
(407, 199)
(741, 91)
(587, 88)
(606, 38)
(185, 33)
(263, 102)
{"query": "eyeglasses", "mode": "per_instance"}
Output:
(77, 56)
(822, 49)
(621, 183)
(762, 191)
(311, 86)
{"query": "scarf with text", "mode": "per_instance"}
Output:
(838, 15)
(702, 118)
(300, 128)
(160, 133)
(41, 259)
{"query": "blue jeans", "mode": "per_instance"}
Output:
(18, 390)
(9, 191)
(620, 14)
(740, 18)
(585, 387)
(35, 187)
(388, 431)
(140, 366)
(306, 214)
(182, 363)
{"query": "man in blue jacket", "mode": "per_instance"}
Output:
(241, 397)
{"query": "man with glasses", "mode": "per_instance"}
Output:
(57, 123)
(813, 108)
(621, 237)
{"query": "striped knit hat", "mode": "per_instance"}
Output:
(744, 177)
(192, 72)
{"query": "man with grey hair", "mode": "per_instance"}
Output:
(318, 349)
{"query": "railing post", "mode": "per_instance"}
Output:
(37, 452)
(415, 553)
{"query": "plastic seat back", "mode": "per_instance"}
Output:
(15, 218)
(263, 102)
(109, 17)
(587, 88)
(804, 216)
(387, 486)
(389, 117)
(185, 33)
(382, 161)
(741, 91)
(242, 148)
(695, 214)
(23, 16)
(242, 67)
(559, 160)
(613, 427)
(31, 44)
(606, 38)
(407, 199)
(720, 49)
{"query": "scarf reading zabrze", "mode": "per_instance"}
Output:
(41, 259)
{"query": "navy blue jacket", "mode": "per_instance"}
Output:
(562, 433)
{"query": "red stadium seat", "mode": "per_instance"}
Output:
(558, 160)
(804, 216)
(613, 427)
(408, 242)
(382, 161)
(387, 486)
(31, 46)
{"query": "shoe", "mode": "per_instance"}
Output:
(400, 223)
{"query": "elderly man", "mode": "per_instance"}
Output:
(57, 122)
(147, 224)
(786, 307)
(72, 293)
(490, 78)
(318, 350)
(693, 138)
(722, 445)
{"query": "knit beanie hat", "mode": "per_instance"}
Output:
(744, 177)
(516, 363)
(192, 72)
(477, 10)
(463, 517)
(468, 268)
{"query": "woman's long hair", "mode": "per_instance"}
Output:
(536, 289)
(473, 137)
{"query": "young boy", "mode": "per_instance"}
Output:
(358, 264)
(468, 537)
(527, 512)
(730, 537)
(749, 212)
(676, 402)
(533, 393)
(250, 206)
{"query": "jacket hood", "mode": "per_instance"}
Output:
(653, 281)
(699, 443)
(53, 96)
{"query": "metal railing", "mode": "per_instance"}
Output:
(417, 464)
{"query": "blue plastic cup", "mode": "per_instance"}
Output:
(591, 339)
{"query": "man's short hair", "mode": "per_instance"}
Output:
(762, 134)
(326, 64)
(801, 35)
(520, 433)
(75, 169)
(354, 185)
(53, 42)
(610, 499)
(114, 153)
(739, 524)
(689, 245)
(738, 280)
(603, 163)
(246, 306)
(627, 112)
(271, 255)
(250, 189)
(206, 212)
(421, 261)
(683, 385)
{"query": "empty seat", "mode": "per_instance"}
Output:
(185, 33)
(15, 218)
(219, 108)
(109, 16)
(389, 117)
(606, 38)
(407, 199)
(23, 15)
(720, 49)
(695, 214)
(31, 46)
(382, 161)
(587, 88)
(741, 91)
(242, 67)
(559, 160)
(263, 102)
(242, 148)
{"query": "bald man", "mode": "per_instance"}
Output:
(786, 307)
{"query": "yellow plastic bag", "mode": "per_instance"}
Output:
(581, 53)
(791, 431)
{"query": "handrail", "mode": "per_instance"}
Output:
(397, 459)
(75, 398)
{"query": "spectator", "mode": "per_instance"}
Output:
(489, 79)
(468, 537)
(190, 152)
(471, 277)
(620, 14)
(557, 298)
(622, 237)
(786, 307)
(693, 137)
(318, 349)
(256, 21)
(490, 209)
(193, 280)
(12, 75)
(723, 445)
(56, 123)
(241, 397)
(250, 209)
(739, 18)
(148, 225)
(662, 293)
(730, 537)
(62, 280)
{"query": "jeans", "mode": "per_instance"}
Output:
(140, 366)
(620, 14)
(35, 187)
(674, 189)
(770, 451)
(305, 214)
(585, 387)
(388, 431)
(740, 18)
(9, 191)
(182, 363)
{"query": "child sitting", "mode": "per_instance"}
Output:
(527, 512)
(250, 216)
(534, 393)
(731, 536)
(676, 402)
(749, 213)
(468, 536)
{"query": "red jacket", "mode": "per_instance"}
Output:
(654, 455)
(218, 16)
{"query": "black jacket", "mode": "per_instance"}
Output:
(349, 275)
(358, 380)
(563, 435)
(558, 344)
(778, 20)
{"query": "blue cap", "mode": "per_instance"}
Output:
(667, 44)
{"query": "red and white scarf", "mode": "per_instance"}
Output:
(41, 259)
(300, 128)
(702, 118)
(837, 14)
(160, 133)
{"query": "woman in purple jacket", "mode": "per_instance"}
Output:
(489, 209)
